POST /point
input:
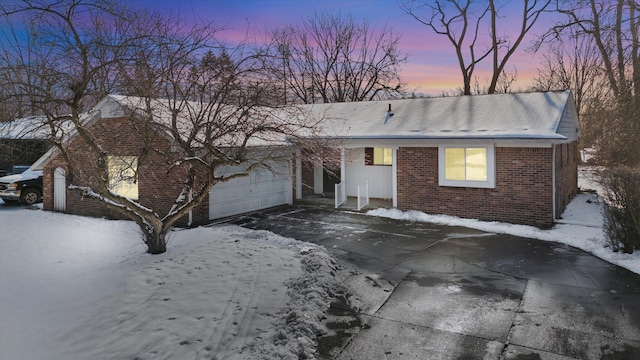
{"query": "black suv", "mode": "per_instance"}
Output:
(25, 187)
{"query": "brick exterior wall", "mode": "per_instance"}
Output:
(522, 195)
(157, 189)
(566, 175)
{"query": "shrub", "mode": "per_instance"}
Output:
(622, 208)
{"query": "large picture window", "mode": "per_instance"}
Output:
(467, 166)
(123, 175)
(378, 156)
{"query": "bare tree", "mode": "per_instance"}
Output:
(200, 108)
(51, 63)
(463, 23)
(503, 86)
(332, 58)
(612, 26)
(573, 62)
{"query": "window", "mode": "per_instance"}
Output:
(378, 156)
(123, 175)
(467, 166)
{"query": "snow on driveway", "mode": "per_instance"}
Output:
(73, 287)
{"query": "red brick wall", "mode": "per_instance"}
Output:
(522, 195)
(47, 183)
(157, 189)
(566, 175)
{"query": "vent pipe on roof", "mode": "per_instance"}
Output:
(389, 114)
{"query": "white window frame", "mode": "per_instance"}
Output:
(490, 183)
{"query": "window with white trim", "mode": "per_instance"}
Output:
(466, 166)
(123, 175)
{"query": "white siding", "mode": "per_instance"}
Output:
(568, 125)
(379, 177)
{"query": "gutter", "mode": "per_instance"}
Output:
(557, 137)
(553, 183)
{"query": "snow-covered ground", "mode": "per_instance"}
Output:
(580, 226)
(73, 287)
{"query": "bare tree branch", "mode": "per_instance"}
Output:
(331, 58)
(454, 19)
(612, 26)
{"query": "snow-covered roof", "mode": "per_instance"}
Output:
(193, 115)
(538, 115)
(29, 128)
(526, 116)
(33, 128)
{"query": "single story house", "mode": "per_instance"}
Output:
(503, 157)
(506, 157)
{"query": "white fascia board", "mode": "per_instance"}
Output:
(397, 143)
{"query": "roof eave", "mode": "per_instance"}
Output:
(433, 137)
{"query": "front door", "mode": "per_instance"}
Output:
(330, 177)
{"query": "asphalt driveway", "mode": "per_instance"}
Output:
(456, 293)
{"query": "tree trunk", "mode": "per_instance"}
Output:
(635, 55)
(495, 46)
(156, 241)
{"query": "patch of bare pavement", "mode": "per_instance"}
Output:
(441, 292)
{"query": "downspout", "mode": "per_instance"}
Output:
(553, 182)
(394, 178)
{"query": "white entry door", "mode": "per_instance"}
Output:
(59, 190)
(262, 189)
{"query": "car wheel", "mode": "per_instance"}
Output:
(30, 196)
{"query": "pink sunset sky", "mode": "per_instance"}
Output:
(431, 68)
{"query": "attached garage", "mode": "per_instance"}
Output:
(263, 188)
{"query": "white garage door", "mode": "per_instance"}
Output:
(260, 190)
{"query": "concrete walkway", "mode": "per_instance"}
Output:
(455, 293)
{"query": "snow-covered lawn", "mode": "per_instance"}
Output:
(73, 287)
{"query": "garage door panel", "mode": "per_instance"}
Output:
(265, 188)
(261, 189)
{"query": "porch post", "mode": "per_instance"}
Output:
(318, 186)
(343, 167)
(394, 177)
(298, 174)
